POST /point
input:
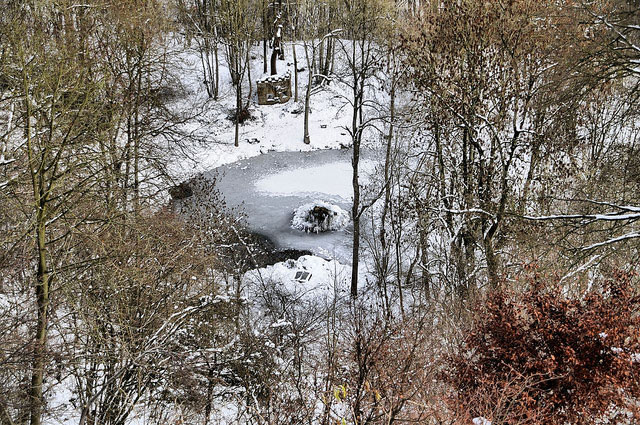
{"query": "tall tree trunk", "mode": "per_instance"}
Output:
(216, 87)
(248, 64)
(236, 142)
(237, 65)
(355, 209)
(320, 59)
(357, 128)
(295, 72)
(42, 296)
(136, 139)
(42, 272)
(205, 70)
(215, 52)
(384, 261)
(210, 387)
(264, 36)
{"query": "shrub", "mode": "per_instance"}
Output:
(541, 357)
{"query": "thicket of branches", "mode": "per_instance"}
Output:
(507, 135)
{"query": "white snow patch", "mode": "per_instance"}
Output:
(332, 178)
(281, 324)
(326, 277)
(481, 421)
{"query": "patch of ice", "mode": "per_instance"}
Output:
(333, 178)
(319, 216)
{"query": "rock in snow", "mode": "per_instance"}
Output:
(319, 216)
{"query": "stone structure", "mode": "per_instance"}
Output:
(274, 89)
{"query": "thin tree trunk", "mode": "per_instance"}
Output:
(248, 58)
(384, 262)
(320, 58)
(136, 147)
(210, 387)
(357, 128)
(215, 51)
(307, 97)
(42, 298)
(216, 89)
(238, 112)
(237, 64)
(264, 36)
(203, 61)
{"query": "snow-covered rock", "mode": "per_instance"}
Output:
(319, 216)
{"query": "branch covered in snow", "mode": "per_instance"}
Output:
(597, 217)
(627, 213)
(631, 235)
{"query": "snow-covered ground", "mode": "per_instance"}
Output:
(324, 279)
(272, 127)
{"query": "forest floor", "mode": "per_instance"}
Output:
(277, 127)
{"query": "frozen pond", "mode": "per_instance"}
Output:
(270, 187)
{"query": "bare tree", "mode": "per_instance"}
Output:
(201, 20)
(238, 28)
(485, 125)
(361, 25)
(53, 95)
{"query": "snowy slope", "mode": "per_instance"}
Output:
(273, 127)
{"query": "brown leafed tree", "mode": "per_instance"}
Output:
(542, 357)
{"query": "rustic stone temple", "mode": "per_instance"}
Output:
(274, 89)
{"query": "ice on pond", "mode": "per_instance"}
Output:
(270, 187)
